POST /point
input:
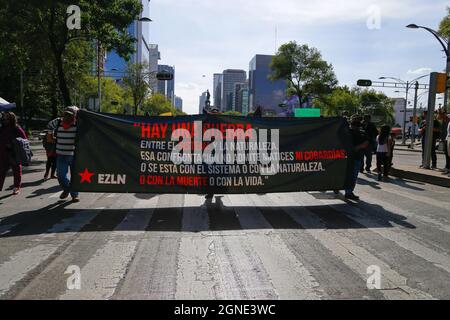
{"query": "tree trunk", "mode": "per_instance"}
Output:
(62, 81)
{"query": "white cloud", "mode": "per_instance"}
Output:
(420, 71)
(202, 37)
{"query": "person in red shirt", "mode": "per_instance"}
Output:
(10, 130)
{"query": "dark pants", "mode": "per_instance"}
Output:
(354, 177)
(447, 157)
(5, 164)
(433, 151)
(368, 154)
(383, 163)
(51, 164)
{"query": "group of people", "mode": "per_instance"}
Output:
(59, 144)
(441, 121)
(367, 141)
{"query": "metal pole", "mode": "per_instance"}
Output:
(447, 69)
(429, 124)
(99, 88)
(413, 139)
(404, 115)
(21, 99)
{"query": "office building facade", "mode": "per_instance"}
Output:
(229, 79)
(178, 103)
(262, 91)
(202, 101)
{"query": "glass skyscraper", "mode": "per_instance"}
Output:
(230, 78)
(114, 64)
(262, 91)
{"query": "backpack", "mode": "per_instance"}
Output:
(22, 151)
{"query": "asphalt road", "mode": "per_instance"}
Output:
(274, 246)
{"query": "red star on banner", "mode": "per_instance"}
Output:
(86, 176)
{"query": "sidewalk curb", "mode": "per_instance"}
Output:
(438, 181)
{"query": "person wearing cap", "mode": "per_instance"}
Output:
(65, 131)
(360, 142)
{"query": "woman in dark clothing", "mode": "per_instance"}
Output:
(49, 144)
(8, 132)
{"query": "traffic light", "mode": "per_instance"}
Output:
(441, 83)
(364, 83)
(164, 76)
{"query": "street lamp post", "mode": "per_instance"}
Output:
(445, 43)
(408, 85)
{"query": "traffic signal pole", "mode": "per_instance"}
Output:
(413, 139)
(430, 121)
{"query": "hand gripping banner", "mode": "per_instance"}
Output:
(210, 154)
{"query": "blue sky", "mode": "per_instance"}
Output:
(361, 38)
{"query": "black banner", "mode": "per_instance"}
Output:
(210, 154)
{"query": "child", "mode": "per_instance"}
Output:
(384, 151)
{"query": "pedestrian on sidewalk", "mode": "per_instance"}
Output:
(423, 133)
(9, 131)
(49, 144)
(360, 142)
(65, 130)
(447, 144)
(371, 132)
(384, 150)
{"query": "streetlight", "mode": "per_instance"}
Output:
(408, 85)
(445, 43)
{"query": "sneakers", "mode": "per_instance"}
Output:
(64, 195)
(16, 191)
(351, 196)
(75, 199)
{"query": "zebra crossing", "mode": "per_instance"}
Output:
(271, 246)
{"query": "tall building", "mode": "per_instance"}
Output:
(230, 78)
(202, 102)
(217, 90)
(140, 30)
(154, 56)
(262, 91)
(178, 103)
(167, 88)
(237, 96)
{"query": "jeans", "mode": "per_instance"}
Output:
(355, 177)
(62, 167)
(433, 151)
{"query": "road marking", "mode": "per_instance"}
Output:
(407, 213)
(394, 285)
(5, 229)
(100, 276)
(401, 238)
(195, 214)
(289, 277)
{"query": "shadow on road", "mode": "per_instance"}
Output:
(220, 217)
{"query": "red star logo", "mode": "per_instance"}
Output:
(86, 176)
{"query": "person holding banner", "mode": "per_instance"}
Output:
(360, 142)
(65, 129)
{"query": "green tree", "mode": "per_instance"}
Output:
(444, 26)
(137, 80)
(304, 70)
(357, 101)
(157, 104)
(43, 23)
(232, 113)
